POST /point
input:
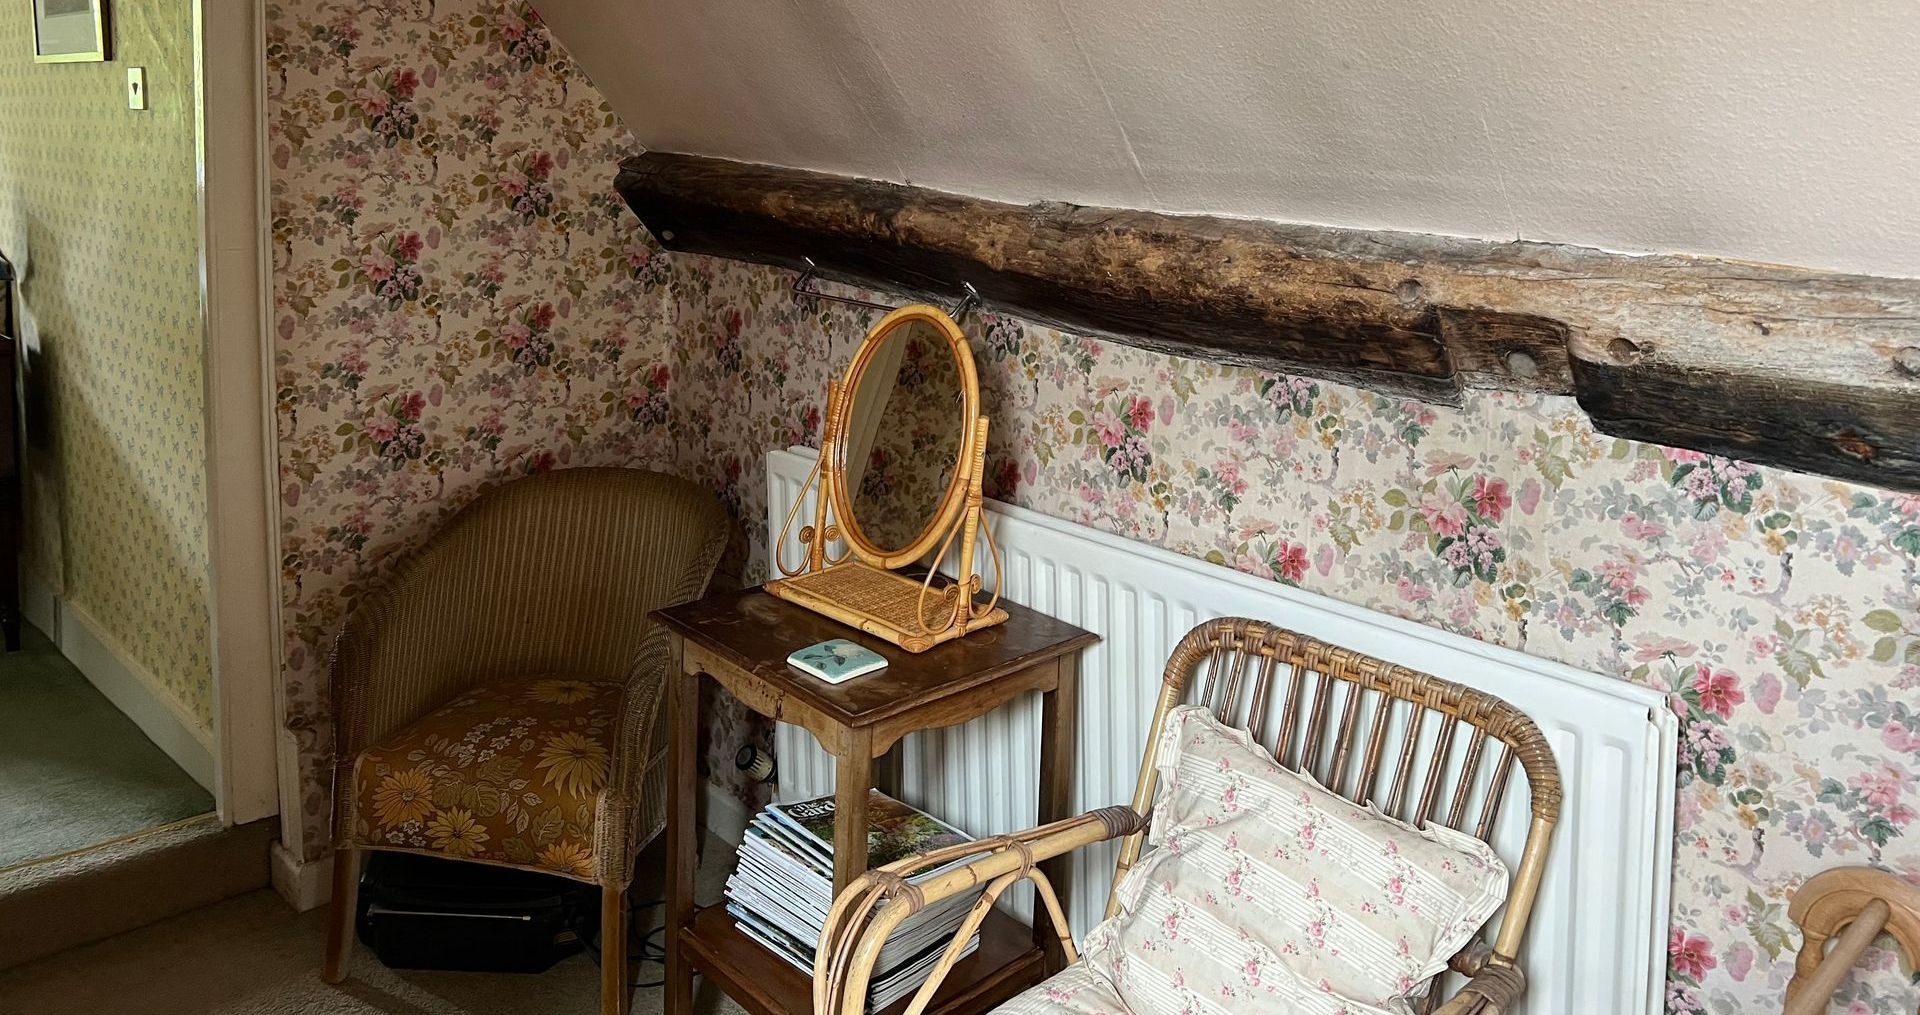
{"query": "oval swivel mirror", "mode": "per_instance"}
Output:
(905, 425)
(898, 485)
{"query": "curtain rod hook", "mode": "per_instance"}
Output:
(800, 291)
(971, 301)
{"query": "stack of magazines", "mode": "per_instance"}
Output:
(781, 891)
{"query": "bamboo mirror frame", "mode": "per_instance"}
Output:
(867, 361)
(847, 574)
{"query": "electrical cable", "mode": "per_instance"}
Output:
(641, 948)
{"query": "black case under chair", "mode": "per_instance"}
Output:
(421, 912)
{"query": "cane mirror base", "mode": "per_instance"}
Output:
(881, 603)
(897, 485)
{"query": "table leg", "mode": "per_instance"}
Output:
(1059, 746)
(853, 776)
(683, 773)
(888, 769)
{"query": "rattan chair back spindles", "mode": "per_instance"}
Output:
(1358, 725)
(1417, 747)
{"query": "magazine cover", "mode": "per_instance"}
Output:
(797, 862)
(894, 830)
(781, 888)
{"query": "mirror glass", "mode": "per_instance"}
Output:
(905, 427)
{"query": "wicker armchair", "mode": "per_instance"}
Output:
(498, 700)
(1245, 663)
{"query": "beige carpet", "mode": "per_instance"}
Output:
(54, 904)
(73, 770)
(254, 954)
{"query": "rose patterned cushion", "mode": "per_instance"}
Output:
(1075, 990)
(1267, 891)
(510, 772)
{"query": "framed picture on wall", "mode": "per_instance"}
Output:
(69, 31)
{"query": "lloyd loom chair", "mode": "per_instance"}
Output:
(1246, 662)
(498, 701)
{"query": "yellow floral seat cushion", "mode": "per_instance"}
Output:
(507, 773)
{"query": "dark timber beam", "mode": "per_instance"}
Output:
(1808, 370)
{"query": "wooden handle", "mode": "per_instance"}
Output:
(1812, 994)
(1851, 906)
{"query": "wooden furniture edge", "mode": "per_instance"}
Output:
(708, 660)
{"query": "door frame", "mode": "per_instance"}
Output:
(250, 744)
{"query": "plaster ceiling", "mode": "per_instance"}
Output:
(1773, 129)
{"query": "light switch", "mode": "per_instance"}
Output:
(136, 88)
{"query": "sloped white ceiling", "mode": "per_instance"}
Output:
(1771, 129)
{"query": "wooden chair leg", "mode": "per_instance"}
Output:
(346, 899)
(615, 997)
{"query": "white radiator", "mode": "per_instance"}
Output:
(1597, 941)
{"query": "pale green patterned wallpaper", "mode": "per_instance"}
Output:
(98, 207)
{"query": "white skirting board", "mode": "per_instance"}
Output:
(304, 884)
(724, 817)
(133, 690)
(1599, 928)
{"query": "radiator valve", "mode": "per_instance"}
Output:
(756, 763)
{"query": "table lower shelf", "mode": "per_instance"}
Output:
(1006, 963)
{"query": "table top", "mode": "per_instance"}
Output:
(755, 632)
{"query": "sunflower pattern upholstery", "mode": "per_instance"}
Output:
(508, 773)
(498, 699)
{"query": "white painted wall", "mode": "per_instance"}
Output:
(1777, 130)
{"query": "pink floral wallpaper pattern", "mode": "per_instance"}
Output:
(460, 298)
(1780, 613)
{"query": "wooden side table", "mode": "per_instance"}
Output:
(741, 641)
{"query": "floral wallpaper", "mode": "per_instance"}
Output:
(1780, 613)
(459, 296)
(98, 208)
(460, 300)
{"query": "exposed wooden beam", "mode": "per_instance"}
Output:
(1809, 370)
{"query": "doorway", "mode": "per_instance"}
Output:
(144, 690)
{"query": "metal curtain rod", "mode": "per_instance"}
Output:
(968, 302)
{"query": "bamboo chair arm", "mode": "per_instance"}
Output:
(1002, 853)
(1470, 960)
(1495, 989)
(868, 911)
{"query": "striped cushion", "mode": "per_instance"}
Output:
(1267, 891)
(1075, 990)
